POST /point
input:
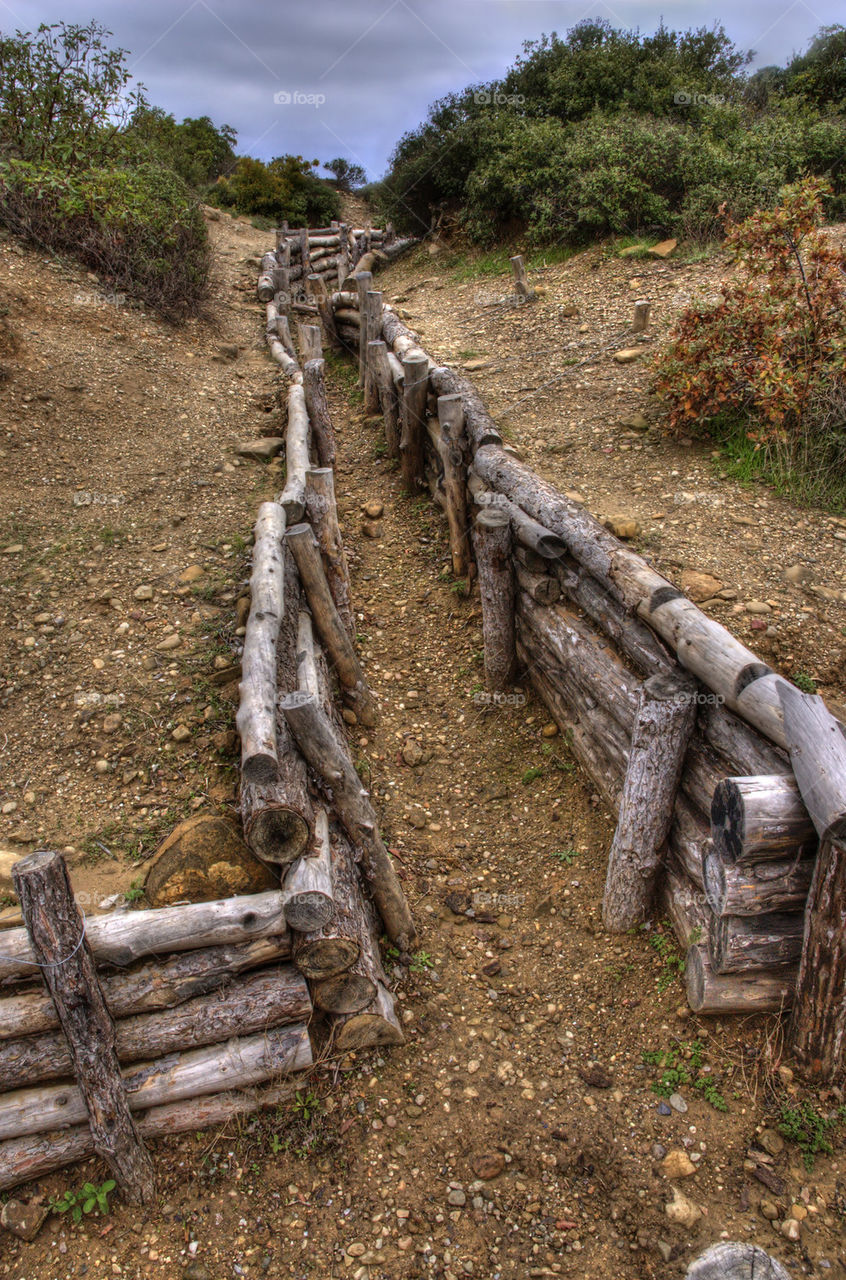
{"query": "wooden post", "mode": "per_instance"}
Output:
(322, 511)
(492, 544)
(311, 346)
(452, 451)
(415, 392)
(817, 744)
(371, 327)
(343, 254)
(328, 621)
(309, 882)
(320, 294)
(641, 316)
(56, 931)
(256, 718)
(664, 722)
(378, 362)
(304, 258)
(297, 460)
(521, 281)
(317, 407)
(364, 282)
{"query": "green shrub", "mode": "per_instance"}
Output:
(139, 229)
(285, 188)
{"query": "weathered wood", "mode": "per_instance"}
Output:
(542, 587)
(377, 1024)
(330, 761)
(371, 319)
(711, 993)
(343, 253)
(662, 728)
(57, 935)
(317, 407)
(256, 717)
(413, 420)
(319, 294)
(297, 460)
(743, 944)
(642, 309)
(736, 889)
(736, 1261)
(270, 998)
(328, 621)
(311, 346)
(243, 1061)
(680, 900)
(527, 532)
(363, 284)
(817, 1032)
(334, 948)
(322, 512)
(492, 547)
(760, 819)
(521, 281)
(311, 903)
(353, 989)
(453, 449)
(127, 936)
(377, 355)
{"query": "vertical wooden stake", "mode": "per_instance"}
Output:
(364, 281)
(371, 327)
(318, 291)
(314, 390)
(453, 439)
(415, 394)
(664, 721)
(56, 930)
(343, 254)
(641, 316)
(311, 345)
(322, 511)
(304, 257)
(492, 542)
(521, 281)
(378, 362)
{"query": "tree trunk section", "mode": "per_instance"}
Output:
(311, 904)
(317, 407)
(760, 819)
(322, 512)
(377, 355)
(415, 394)
(492, 545)
(743, 944)
(734, 889)
(371, 328)
(453, 446)
(377, 1024)
(710, 993)
(256, 718)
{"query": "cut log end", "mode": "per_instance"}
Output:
(278, 835)
(325, 958)
(344, 993)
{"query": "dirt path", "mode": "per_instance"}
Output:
(517, 1133)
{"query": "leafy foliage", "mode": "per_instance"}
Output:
(681, 1065)
(285, 188)
(811, 1131)
(86, 1201)
(348, 176)
(196, 149)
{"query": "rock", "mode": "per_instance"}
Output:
(196, 1270)
(573, 495)
(173, 641)
(798, 573)
(412, 752)
(699, 586)
(202, 859)
(473, 366)
(757, 607)
(349, 716)
(228, 351)
(568, 310)
(23, 1219)
(677, 1164)
(785, 1074)
(456, 1198)
(622, 526)
(791, 1229)
(627, 355)
(112, 722)
(144, 592)
(8, 857)
(373, 509)
(682, 1211)
(768, 1210)
(181, 733)
(261, 450)
(663, 249)
(663, 1109)
(371, 528)
(550, 730)
(678, 1103)
(596, 1076)
(771, 1142)
(635, 422)
(191, 574)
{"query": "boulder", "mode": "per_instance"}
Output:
(699, 586)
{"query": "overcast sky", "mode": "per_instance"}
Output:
(322, 78)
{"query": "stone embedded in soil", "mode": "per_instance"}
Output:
(757, 607)
(23, 1219)
(769, 1210)
(677, 1164)
(771, 1142)
(181, 733)
(373, 509)
(622, 526)
(663, 249)
(791, 1229)
(191, 574)
(699, 586)
(457, 1198)
(261, 450)
(144, 592)
(682, 1211)
(627, 355)
(412, 752)
(678, 1103)
(798, 573)
(172, 641)
(371, 528)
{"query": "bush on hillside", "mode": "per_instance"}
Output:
(766, 364)
(286, 188)
(140, 229)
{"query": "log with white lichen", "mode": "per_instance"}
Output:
(389, 400)
(413, 420)
(363, 283)
(256, 717)
(453, 455)
(760, 819)
(736, 1261)
(758, 888)
(492, 547)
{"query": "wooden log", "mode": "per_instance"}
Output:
(413, 421)
(334, 948)
(57, 935)
(370, 260)
(311, 346)
(266, 286)
(244, 1061)
(521, 281)
(680, 900)
(311, 902)
(304, 255)
(256, 717)
(371, 332)
(317, 407)
(662, 728)
(730, 1260)
(542, 587)
(453, 448)
(377, 356)
(492, 546)
(270, 998)
(760, 819)
(377, 1024)
(127, 936)
(323, 242)
(642, 309)
(743, 944)
(352, 989)
(281, 355)
(349, 317)
(527, 532)
(330, 761)
(633, 638)
(160, 984)
(711, 993)
(735, 889)
(343, 253)
(363, 283)
(322, 512)
(297, 460)
(344, 300)
(328, 621)
(817, 1032)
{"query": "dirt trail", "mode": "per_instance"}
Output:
(517, 1132)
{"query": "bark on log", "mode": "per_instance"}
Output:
(363, 284)
(330, 761)
(319, 292)
(243, 1061)
(760, 819)
(542, 587)
(371, 329)
(733, 889)
(120, 939)
(333, 949)
(642, 309)
(453, 449)
(710, 993)
(527, 532)
(297, 460)
(256, 717)
(245, 1006)
(662, 728)
(492, 547)
(743, 944)
(349, 317)
(376, 1025)
(817, 1032)
(353, 989)
(413, 419)
(680, 900)
(377, 355)
(303, 544)
(521, 281)
(311, 346)
(311, 904)
(57, 934)
(634, 638)
(317, 407)
(322, 512)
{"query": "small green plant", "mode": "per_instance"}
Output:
(567, 856)
(804, 682)
(86, 1201)
(459, 587)
(804, 1125)
(680, 1065)
(135, 892)
(664, 944)
(306, 1105)
(531, 775)
(421, 961)
(276, 1144)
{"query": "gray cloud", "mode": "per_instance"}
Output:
(377, 63)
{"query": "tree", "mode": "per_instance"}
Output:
(348, 176)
